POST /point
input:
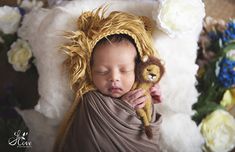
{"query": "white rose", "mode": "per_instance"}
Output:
(29, 5)
(19, 55)
(231, 54)
(9, 19)
(177, 17)
(218, 129)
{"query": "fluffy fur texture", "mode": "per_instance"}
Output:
(177, 85)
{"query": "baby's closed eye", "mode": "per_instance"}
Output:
(126, 70)
(102, 71)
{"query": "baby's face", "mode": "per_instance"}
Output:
(113, 68)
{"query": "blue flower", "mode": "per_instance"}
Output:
(226, 75)
(227, 72)
(229, 33)
(22, 11)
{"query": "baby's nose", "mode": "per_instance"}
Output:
(115, 76)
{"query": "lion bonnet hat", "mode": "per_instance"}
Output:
(92, 27)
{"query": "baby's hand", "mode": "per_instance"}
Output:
(135, 98)
(156, 94)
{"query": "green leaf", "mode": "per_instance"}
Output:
(9, 39)
(204, 110)
(231, 46)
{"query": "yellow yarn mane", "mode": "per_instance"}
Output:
(92, 26)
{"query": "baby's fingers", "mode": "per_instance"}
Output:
(136, 95)
(139, 103)
(133, 95)
(155, 89)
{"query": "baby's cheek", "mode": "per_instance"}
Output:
(128, 82)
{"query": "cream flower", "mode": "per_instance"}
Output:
(231, 54)
(228, 99)
(218, 129)
(9, 19)
(19, 55)
(176, 17)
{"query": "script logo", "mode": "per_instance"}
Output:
(20, 140)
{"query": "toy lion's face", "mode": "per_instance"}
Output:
(151, 73)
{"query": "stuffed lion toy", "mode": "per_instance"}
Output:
(148, 72)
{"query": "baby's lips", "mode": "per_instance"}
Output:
(115, 87)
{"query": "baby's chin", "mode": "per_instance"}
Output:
(114, 95)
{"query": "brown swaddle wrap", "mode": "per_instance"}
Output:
(102, 123)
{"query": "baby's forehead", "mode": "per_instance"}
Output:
(120, 53)
(112, 47)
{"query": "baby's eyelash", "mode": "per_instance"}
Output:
(102, 72)
(127, 70)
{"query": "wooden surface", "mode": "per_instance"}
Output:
(220, 9)
(216, 8)
(8, 2)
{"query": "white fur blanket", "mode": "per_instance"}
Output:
(43, 29)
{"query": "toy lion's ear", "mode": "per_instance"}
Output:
(145, 58)
(148, 24)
